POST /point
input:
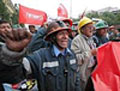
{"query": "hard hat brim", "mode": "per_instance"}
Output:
(68, 20)
(47, 37)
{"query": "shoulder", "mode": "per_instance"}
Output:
(95, 38)
(2, 44)
(37, 57)
(37, 54)
(41, 51)
(78, 39)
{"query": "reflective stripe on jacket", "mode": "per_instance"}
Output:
(53, 73)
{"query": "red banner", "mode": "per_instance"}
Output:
(62, 11)
(106, 76)
(31, 16)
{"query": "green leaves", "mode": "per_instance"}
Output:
(4, 14)
(110, 17)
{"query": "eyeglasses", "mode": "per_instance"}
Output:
(90, 27)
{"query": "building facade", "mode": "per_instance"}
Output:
(9, 6)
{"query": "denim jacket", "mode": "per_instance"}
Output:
(55, 73)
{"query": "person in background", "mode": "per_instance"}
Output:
(74, 30)
(110, 29)
(38, 41)
(55, 68)
(115, 34)
(68, 22)
(85, 50)
(100, 36)
(32, 29)
(4, 28)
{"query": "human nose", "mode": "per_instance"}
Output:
(66, 35)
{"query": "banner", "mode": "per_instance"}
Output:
(62, 11)
(106, 76)
(31, 16)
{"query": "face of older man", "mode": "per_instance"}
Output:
(102, 32)
(62, 39)
(88, 30)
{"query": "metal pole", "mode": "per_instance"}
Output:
(70, 8)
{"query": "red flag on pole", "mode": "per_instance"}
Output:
(31, 16)
(62, 11)
(83, 14)
(106, 76)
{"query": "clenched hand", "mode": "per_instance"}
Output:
(17, 40)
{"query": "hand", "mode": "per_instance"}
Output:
(17, 40)
(94, 51)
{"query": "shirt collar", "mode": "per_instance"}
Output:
(57, 51)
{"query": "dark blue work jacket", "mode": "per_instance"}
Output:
(55, 73)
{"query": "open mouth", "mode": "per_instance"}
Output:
(64, 42)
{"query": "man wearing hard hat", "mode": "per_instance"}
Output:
(85, 50)
(55, 68)
(100, 36)
(74, 30)
(68, 22)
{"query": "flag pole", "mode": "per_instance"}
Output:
(83, 14)
(70, 8)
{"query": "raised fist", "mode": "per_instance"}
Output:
(17, 40)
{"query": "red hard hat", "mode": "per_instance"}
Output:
(67, 20)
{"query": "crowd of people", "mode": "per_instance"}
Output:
(58, 56)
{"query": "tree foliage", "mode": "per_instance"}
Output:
(112, 18)
(4, 14)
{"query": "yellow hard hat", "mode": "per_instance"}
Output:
(84, 21)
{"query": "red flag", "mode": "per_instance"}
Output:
(62, 11)
(31, 16)
(106, 76)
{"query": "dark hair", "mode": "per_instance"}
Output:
(31, 26)
(4, 21)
